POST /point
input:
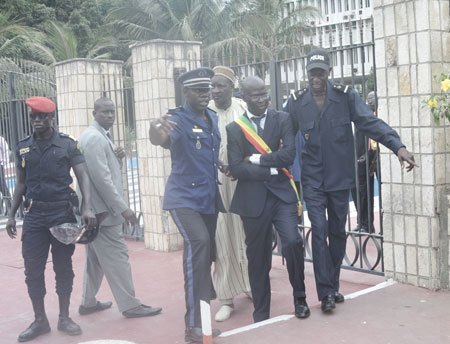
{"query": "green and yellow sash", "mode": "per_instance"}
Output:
(262, 147)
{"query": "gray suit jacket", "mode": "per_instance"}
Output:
(104, 173)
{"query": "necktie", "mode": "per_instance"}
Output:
(257, 120)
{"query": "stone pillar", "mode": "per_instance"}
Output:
(79, 82)
(155, 64)
(412, 45)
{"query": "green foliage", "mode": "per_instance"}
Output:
(439, 103)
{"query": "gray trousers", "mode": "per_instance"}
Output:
(107, 256)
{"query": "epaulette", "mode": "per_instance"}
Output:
(342, 88)
(298, 94)
(173, 111)
(68, 136)
(25, 138)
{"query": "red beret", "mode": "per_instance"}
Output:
(41, 104)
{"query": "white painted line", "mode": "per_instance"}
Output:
(279, 318)
(379, 286)
(256, 325)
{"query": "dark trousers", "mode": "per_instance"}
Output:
(365, 210)
(198, 231)
(328, 236)
(36, 242)
(258, 238)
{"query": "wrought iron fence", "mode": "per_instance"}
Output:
(352, 54)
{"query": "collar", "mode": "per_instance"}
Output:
(250, 115)
(100, 128)
(53, 140)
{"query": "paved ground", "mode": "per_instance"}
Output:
(395, 314)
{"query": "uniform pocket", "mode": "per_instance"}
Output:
(341, 130)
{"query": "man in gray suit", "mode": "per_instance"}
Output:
(108, 253)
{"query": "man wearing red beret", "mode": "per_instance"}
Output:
(43, 163)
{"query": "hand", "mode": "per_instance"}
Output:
(130, 216)
(225, 169)
(164, 124)
(403, 155)
(120, 153)
(11, 228)
(89, 218)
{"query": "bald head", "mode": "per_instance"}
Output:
(101, 101)
(371, 100)
(255, 95)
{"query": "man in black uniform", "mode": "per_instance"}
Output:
(323, 112)
(43, 162)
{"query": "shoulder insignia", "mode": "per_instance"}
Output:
(173, 111)
(342, 88)
(25, 138)
(298, 94)
(68, 136)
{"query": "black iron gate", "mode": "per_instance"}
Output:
(353, 62)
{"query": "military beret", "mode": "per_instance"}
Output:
(197, 78)
(225, 72)
(318, 58)
(41, 104)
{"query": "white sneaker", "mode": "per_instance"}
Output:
(224, 313)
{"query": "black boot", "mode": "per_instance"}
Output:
(40, 324)
(65, 323)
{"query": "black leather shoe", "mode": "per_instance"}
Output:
(338, 297)
(328, 303)
(301, 309)
(68, 326)
(141, 311)
(100, 306)
(37, 327)
(195, 335)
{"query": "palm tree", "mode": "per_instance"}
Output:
(260, 30)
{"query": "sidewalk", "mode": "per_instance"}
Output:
(396, 314)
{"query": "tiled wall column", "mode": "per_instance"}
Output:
(154, 65)
(412, 45)
(79, 82)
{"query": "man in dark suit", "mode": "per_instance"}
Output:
(264, 197)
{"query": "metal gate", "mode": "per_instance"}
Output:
(21, 79)
(353, 62)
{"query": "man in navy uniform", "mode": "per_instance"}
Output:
(192, 196)
(323, 112)
(265, 197)
(43, 163)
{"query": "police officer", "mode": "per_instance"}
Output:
(323, 112)
(191, 196)
(43, 162)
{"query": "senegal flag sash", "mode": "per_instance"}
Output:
(262, 147)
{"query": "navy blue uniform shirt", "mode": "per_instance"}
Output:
(47, 172)
(328, 151)
(194, 150)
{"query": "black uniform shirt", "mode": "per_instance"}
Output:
(47, 168)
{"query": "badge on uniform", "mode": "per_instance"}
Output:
(307, 136)
(24, 150)
(198, 145)
(196, 129)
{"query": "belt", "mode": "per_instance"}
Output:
(47, 205)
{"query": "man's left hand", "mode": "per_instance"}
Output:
(120, 153)
(403, 155)
(89, 218)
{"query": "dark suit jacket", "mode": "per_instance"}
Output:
(254, 181)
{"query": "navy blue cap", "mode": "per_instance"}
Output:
(318, 58)
(197, 78)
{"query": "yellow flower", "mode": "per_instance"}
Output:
(432, 103)
(445, 85)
